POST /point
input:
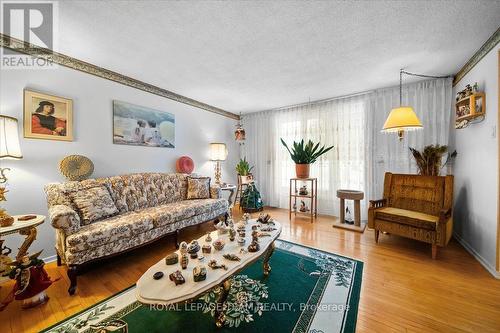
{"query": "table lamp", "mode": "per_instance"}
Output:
(218, 153)
(9, 149)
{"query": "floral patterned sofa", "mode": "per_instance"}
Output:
(148, 207)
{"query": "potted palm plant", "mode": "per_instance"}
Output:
(244, 170)
(304, 154)
(429, 159)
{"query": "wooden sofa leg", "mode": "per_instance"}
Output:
(434, 251)
(58, 260)
(72, 274)
(177, 232)
(376, 235)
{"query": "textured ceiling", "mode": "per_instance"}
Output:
(251, 56)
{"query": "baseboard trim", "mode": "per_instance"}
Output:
(478, 257)
(50, 259)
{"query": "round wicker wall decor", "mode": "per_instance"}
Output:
(76, 167)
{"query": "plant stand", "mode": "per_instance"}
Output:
(312, 195)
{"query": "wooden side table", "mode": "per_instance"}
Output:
(312, 195)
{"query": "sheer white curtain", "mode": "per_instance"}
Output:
(362, 154)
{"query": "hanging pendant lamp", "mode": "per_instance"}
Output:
(402, 118)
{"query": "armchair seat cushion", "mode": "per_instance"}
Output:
(407, 217)
(109, 230)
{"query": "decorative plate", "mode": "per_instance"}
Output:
(76, 167)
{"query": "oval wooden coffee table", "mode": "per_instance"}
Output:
(165, 292)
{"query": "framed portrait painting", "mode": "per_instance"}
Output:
(136, 125)
(47, 117)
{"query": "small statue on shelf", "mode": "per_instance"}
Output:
(303, 190)
(303, 208)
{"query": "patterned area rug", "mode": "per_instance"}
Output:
(308, 290)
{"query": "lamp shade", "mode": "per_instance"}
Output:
(218, 151)
(9, 138)
(400, 119)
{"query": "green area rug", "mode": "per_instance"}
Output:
(308, 290)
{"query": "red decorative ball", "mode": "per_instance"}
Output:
(184, 164)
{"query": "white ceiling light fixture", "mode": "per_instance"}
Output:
(404, 118)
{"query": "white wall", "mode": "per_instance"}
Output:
(476, 169)
(92, 110)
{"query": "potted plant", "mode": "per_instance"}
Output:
(244, 169)
(305, 154)
(429, 159)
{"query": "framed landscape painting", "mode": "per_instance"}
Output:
(141, 126)
(47, 117)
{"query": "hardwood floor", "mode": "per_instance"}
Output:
(403, 289)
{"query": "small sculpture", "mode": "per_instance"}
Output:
(193, 249)
(177, 278)
(214, 265)
(183, 246)
(206, 248)
(246, 217)
(303, 208)
(232, 257)
(222, 228)
(268, 228)
(264, 234)
(208, 239)
(199, 273)
(243, 251)
(201, 258)
(255, 227)
(264, 218)
(253, 247)
(242, 233)
(303, 190)
(218, 244)
(157, 275)
(232, 234)
(241, 226)
(184, 261)
(241, 241)
(172, 259)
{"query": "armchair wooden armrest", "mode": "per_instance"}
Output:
(444, 215)
(378, 203)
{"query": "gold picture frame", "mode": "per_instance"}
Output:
(47, 116)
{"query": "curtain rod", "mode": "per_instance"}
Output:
(336, 98)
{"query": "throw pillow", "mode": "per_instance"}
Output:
(198, 188)
(93, 204)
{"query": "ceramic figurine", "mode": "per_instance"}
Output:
(208, 239)
(183, 246)
(241, 241)
(303, 190)
(246, 217)
(214, 265)
(242, 233)
(157, 275)
(268, 228)
(193, 249)
(201, 258)
(232, 234)
(222, 228)
(241, 226)
(303, 208)
(184, 261)
(254, 227)
(232, 257)
(218, 244)
(177, 278)
(264, 234)
(253, 247)
(230, 222)
(255, 236)
(206, 248)
(199, 273)
(172, 259)
(243, 251)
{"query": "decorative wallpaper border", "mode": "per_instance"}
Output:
(483, 50)
(21, 46)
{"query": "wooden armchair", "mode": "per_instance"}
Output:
(414, 206)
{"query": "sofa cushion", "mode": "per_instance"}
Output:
(169, 213)
(202, 206)
(198, 188)
(109, 230)
(93, 204)
(408, 217)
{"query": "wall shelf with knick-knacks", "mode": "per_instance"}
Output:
(470, 106)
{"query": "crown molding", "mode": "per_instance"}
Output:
(483, 50)
(24, 47)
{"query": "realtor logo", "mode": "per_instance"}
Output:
(32, 22)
